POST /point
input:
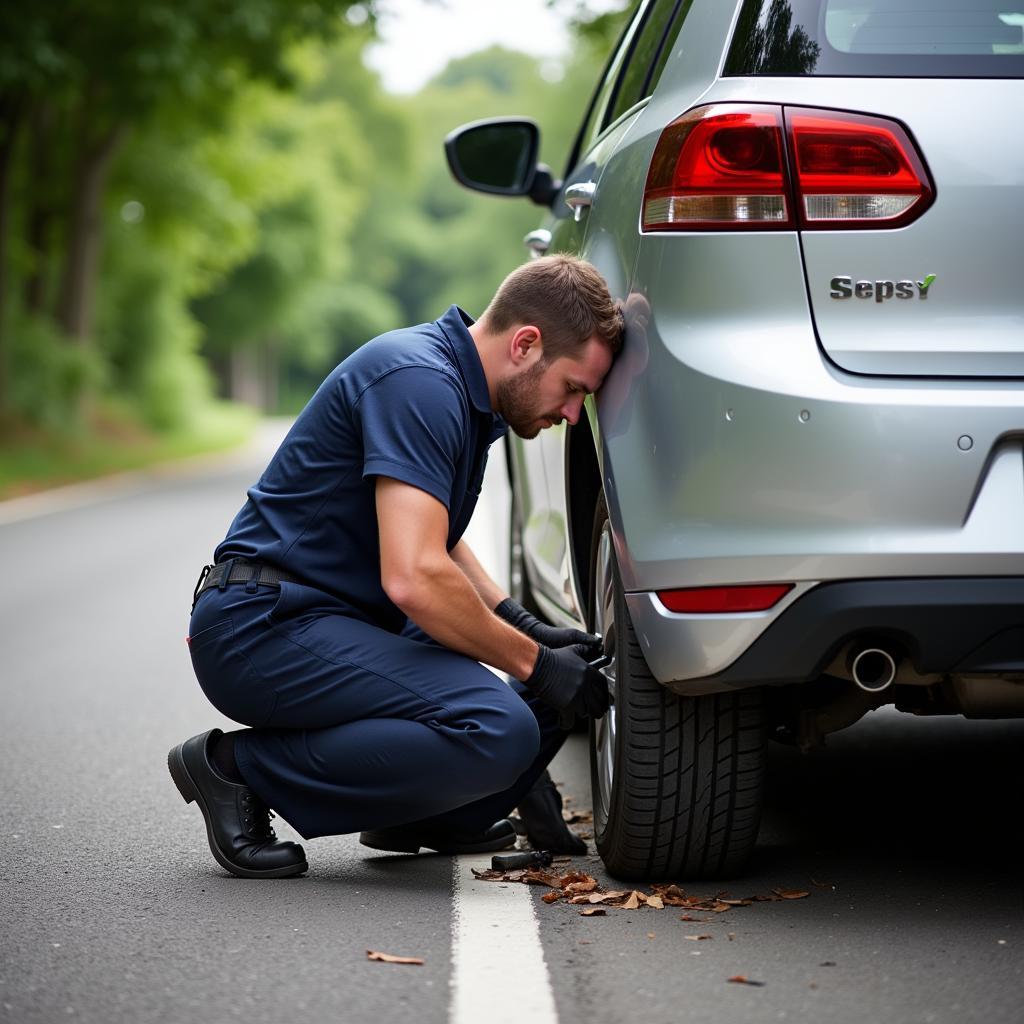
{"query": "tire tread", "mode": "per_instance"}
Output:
(689, 780)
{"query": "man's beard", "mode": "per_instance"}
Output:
(517, 401)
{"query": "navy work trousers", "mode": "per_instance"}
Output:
(355, 727)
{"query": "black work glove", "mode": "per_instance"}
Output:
(565, 679)
(550, 636)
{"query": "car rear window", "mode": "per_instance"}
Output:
(879, 38)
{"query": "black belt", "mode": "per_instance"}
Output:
(240, 570)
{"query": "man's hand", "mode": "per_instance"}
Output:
(550, 636)
(564, 679)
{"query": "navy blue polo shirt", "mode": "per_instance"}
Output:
(412, 404)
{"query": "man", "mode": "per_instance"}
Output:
(345, 619)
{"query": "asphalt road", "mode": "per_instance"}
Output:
(904, 831)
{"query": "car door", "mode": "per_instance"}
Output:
(595, 217)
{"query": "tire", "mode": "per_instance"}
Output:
(677, 782)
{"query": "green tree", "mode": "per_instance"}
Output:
(304, 285)
(79, 76)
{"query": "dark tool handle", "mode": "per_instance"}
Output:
(567, 719)
(525, 859)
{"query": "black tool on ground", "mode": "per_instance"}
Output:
(525, 859)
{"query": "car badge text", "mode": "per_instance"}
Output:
(880, 291)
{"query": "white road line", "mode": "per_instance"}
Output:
(498, 970)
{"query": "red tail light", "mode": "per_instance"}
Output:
(725, 166)
(705, 600)
(855, 171)
(718, 167)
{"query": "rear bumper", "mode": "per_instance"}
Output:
(968, 625)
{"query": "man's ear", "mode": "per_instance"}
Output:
(525, 345)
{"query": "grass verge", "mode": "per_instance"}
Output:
(32, 460)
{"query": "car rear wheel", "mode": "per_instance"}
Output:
(677, 781)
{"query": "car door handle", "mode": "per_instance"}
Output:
(538, 241)
(579, 196)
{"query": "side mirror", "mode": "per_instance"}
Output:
(499, 156)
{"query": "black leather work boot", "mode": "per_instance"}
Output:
(237, 820)
(410, 838)
(541, 813)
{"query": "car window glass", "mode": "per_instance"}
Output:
(924, 27)
(678, 17)
(650, 43)
(879, 38)
(595, 119)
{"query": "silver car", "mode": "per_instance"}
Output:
(800, 493)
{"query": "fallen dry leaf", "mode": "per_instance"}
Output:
(390, 958)
(730, 936)
(594, 912)
(742, 979)
(601, 897)
(579, 888)
(576, 878)
(822, 885)
(671, 895)
(537, 877)
(696, 938)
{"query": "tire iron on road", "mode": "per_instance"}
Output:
(525, 859)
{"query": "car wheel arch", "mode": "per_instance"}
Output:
(583, 480)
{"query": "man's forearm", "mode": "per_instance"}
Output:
(439, 594)
(443, 600)
(490, 593)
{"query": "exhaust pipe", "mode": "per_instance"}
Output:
(872, 668)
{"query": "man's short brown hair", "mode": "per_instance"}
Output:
(565, 297)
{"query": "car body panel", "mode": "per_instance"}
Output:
(606, 235)
(874, 482)
(548, 562)
(756, 430)
(972, 322)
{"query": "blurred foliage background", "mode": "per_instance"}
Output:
(206, 205)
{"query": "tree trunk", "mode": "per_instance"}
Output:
(271, 375)
(246, 376)
(12, 108)
(78, 282)
(40, 217)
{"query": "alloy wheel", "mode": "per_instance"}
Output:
(605, 728)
